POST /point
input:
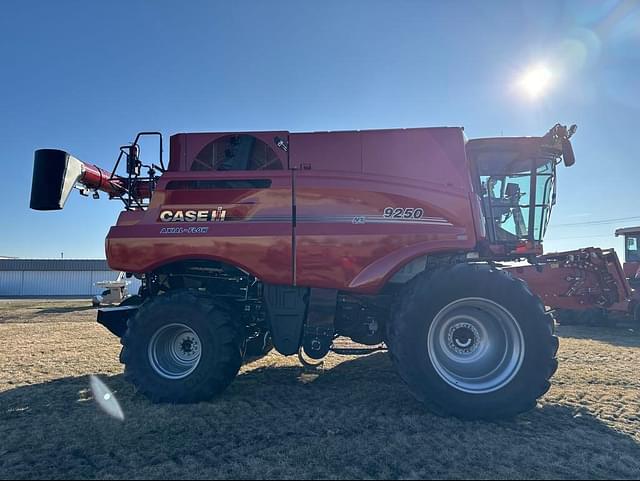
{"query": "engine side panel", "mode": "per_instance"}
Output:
(345, 241)
(346, 211)
(254, 234)
(369, 202)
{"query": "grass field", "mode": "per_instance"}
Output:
(355, 419)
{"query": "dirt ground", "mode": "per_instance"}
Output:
(355, 419)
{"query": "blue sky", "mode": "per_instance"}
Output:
(86, 76)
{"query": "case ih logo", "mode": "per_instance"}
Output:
(215, 215)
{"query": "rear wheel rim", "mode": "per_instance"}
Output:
(174, 351)
(476, 345)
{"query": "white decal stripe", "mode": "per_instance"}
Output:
(347, 219)
(430, 219)
(393, 221)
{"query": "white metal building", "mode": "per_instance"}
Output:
(55, 277)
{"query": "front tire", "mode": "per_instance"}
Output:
(181, 347)
(473, 342)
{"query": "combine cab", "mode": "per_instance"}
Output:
(251, 240)
(631, 254)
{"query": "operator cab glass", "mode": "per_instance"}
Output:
(516, 183)
(632, 248)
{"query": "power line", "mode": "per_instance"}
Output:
(547, 239)
(597, 222)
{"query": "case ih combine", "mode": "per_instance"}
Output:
(248, 240)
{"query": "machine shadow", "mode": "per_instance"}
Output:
(64, 310)
(342, 415)
(621, 336)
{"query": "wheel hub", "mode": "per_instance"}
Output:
(463, 338)
(188, 347)
(174, 351)
(475, 345)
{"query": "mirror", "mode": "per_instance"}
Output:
(567, 153)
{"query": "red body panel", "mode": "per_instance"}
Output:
(339, 184)
(263, 248)
(356, 175)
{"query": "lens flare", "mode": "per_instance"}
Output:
(536, 81)
(105, 399)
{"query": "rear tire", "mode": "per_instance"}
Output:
(473, 342)
(181, 347)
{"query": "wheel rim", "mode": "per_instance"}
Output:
(476, 345)
(175, 351)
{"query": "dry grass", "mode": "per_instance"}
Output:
(355, 419)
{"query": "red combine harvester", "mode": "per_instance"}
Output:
(589, 286)
(246, 241)
(581, 286)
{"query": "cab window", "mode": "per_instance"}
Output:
(236, 152)
(633, 249)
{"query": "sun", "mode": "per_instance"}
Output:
(535, 81)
